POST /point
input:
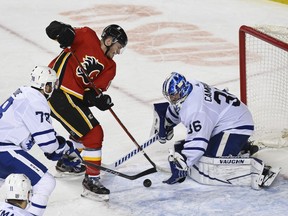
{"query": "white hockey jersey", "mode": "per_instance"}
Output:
(10, 210)
(25, 120)
(206, 112)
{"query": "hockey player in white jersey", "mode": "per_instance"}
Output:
(25, 121)
(17, 192)
(218, 128)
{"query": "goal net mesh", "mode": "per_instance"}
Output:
(266, 88)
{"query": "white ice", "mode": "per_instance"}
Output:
(211, 55)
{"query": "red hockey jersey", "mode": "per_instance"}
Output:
(87, 48)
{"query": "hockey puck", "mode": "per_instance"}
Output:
(147, 183)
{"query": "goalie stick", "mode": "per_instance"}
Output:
(114, 172)
(134, 152)
(112, 112)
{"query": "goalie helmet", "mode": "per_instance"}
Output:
(176, 88)
(117, 34)
(17, 187)
(41, 76)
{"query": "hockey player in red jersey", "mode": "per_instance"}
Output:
(70, 103)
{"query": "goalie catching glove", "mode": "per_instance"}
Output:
(162, 125)
(101, 101)
(179, 168)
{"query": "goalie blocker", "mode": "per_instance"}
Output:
(239, 171)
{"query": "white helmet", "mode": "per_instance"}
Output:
(42, 76)
(17, 186)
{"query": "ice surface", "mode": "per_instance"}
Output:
(196, 38)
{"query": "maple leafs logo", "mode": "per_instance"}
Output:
(92, 68)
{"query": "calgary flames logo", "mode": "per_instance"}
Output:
(92, 68)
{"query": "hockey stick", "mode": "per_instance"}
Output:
(111, 110)
(114, 172)
(134, 152)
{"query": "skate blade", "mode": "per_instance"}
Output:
(60, 174)
(273, 173)
(93, 196)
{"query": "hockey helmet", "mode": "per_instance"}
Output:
(42, 76)
(117, 34)
(17, 187)
(176, 88)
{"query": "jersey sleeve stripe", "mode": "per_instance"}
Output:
(47, 143)
(42, 132)
(195, 148)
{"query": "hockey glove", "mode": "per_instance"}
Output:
(65, 148)
(101, 101)
(162, 125)
(58, 153)
(72, 157)
(178, 168)
(61, 32)
(71, 161)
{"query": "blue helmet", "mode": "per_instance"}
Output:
(176, 88)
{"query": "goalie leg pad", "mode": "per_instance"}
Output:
(231, 171)
(221, 171)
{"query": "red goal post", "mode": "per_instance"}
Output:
(263, 62)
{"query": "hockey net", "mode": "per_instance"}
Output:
(264, 81)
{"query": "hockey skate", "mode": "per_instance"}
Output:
(94, 189)
(74, 169)
(269, 174)
(266, 178)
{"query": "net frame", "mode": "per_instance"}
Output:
(263, 56)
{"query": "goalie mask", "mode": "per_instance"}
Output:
(17, 187)
(44, 78)
(176, 88)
